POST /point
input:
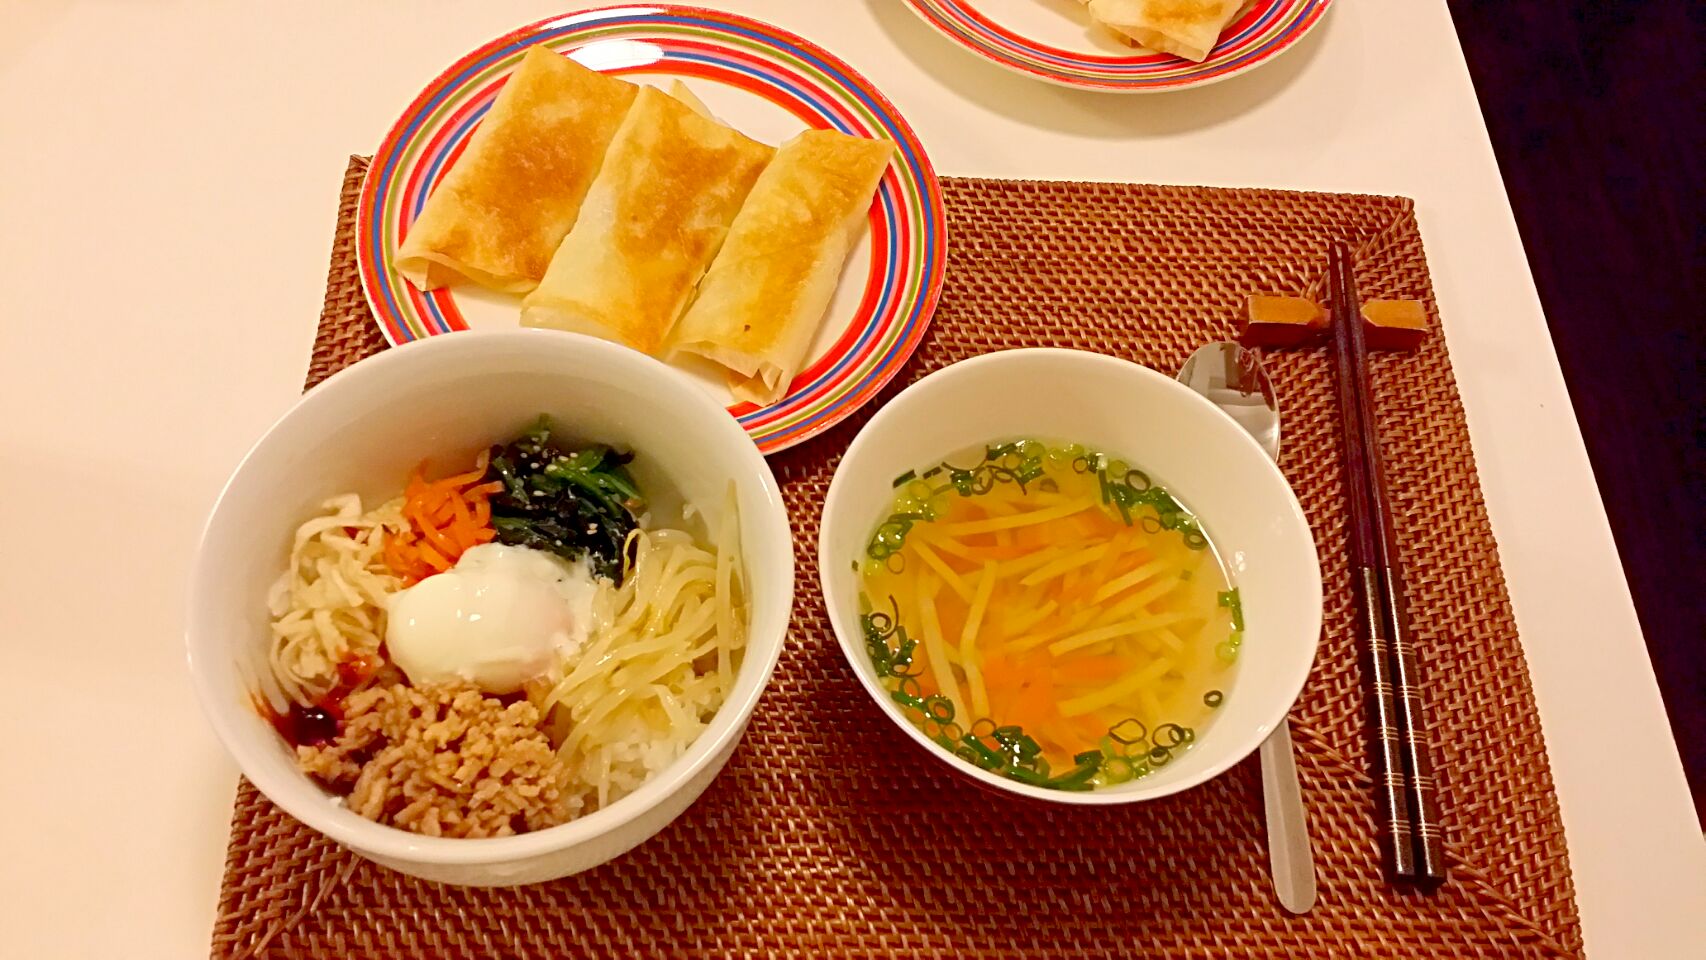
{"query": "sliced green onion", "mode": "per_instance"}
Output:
(906, 700)
(1231, 601)
(1078, 778)
(1026, 775)
(986, 758)
(1118, 770)
(1129, 731)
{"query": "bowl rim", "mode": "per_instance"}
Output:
(299, 796)
(851, 640)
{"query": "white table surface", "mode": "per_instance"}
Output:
(168, 179)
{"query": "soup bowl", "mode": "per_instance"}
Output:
(363, 430)
(1183, 442)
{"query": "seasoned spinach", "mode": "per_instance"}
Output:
(572, 503)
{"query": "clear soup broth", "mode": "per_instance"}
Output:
(1047, 613)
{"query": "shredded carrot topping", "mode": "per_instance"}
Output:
(445, 517)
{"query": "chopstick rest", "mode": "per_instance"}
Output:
(1285, 321)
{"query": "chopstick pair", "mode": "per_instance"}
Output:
(1414, 843)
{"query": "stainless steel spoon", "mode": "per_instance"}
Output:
(1232, 378)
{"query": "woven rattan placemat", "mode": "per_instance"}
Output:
(829, 834)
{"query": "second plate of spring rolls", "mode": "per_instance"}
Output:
(1184, 29)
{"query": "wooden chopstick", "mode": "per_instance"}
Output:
(1404, 774)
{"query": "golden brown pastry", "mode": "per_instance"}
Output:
(671, 185)
(503, 209)
(760, 305)
(1184, 28)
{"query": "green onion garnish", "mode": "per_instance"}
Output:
(1230, 601)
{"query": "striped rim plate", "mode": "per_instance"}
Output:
(744, 70)
(1007, 32)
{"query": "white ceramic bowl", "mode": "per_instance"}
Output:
(363, 430)
(1181, 441)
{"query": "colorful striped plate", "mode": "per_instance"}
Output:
(1055, 41)
(764, 81)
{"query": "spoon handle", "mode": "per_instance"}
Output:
(1291, 859)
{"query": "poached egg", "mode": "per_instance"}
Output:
(499, 618)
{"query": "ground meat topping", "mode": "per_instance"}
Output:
(443, 761)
